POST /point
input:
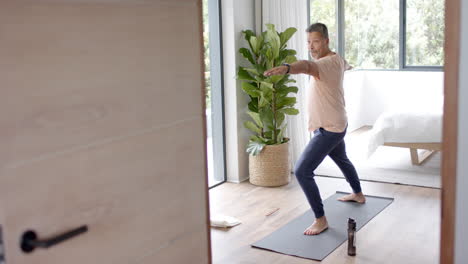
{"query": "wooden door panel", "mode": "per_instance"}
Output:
(93, 71)
(102, 123)
(125, 191)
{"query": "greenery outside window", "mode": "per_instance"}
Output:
(384, 34)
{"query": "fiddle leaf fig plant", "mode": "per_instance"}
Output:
(270, 97)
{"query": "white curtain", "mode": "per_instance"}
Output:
(284, 14)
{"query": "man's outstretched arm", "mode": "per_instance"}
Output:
(302, 66)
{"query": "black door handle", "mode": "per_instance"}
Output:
(29, 239)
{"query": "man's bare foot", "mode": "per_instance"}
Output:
(319, 225)
(353, 197)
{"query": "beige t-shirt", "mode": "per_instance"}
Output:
(326, 98)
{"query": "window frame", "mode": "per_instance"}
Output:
(217, 92)
(402, 66)
(403, 27)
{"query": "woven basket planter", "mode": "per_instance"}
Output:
(271, 167)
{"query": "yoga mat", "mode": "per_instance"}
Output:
(290, 238)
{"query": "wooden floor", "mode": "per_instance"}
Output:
(406, 232)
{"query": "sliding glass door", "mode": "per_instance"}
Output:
(214, 92)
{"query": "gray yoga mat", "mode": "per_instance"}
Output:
(290, 239)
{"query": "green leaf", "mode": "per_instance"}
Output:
(266, 86)
(260, 69)
(290, 81)
(256, 118)
(263, 102)
(280, 134)
(253, 71)
(262, 52)
(285, 90)
(270, 27)
(266, 115)
(242, 74)
(279, 138)
(267, 94)
(269, 63)
(258, 139)
(252, 127)
(253, 44)
(285, 101)
(290, 59)
(279, 118)
(286, 52)
(276, 78)
(253, 105)
(286, 35)
(254, 148)
(259, 78)
(247, 34)
(250, 89)
(274, 41)
(285, 80)
(260, 43)
(269, 56)
(290, 111)
(246, 53)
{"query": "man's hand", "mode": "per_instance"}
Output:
(280, 70)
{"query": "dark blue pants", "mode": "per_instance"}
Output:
(322, 144)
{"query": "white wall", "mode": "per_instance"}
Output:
(461, 214)
(370, 93)
(236, 16)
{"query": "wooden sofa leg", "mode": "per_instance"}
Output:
(419, 160)
(414, 156)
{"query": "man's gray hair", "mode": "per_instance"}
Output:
(318, 27)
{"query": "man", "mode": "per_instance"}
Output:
(327, 119)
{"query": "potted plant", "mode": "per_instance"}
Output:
(270, 102)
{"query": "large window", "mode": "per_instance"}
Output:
(214, 93)
(424, 32)
(324, 11)
(385, 34)
(371, 33)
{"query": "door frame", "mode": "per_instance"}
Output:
(450, 130)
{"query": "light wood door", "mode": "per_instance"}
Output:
(102, 124)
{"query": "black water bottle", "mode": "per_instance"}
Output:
(351, 237)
